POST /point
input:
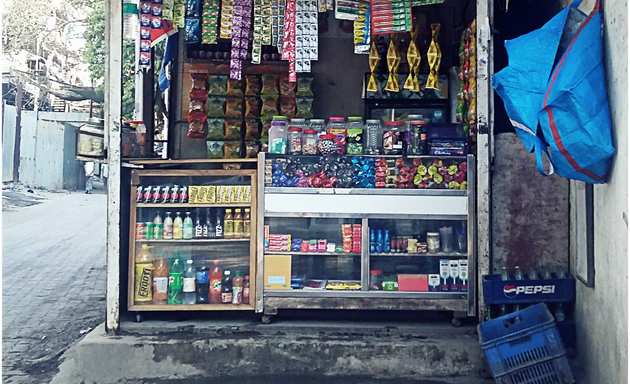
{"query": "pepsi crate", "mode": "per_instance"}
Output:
(524, 347)
(497, 291)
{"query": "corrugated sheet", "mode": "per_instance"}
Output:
(8, 142)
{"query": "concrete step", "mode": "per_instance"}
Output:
(191, 351)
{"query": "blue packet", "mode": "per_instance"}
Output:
(193, 30)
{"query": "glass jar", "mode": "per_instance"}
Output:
(337, 127)
(354, 139)
(278, 137)
(327, 145)
(433, 242)
(374, 140)
(309, 142)
(295, 140)
(376, 280)
(413, 126)
(394, 138)
(298, 123)
(318, 125)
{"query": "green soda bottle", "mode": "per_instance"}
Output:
(175, 283)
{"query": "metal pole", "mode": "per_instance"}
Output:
(18, 133)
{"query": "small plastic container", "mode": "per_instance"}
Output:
(278, 137)
(433, 242)
(309, 142)
(318, 125)
(327, 145)
(394, 140)
(415, 126)
(337, 127)
(374, 139)
(295, 140)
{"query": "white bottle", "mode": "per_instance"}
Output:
(190, 291)
(278, 137)
(178, 225)
(168, 227)
(188, 228)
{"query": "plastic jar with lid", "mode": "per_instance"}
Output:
(309, 142)
(337, 127)
(354, 139)
(278, 137)
(327, 145)
(318, 125)
(394, 138)
(298, 123)
(433, 242)
(294, 140)
(413, 127)
(374, 138)
(376, 280)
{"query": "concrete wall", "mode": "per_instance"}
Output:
(602, 311)
(530, 221)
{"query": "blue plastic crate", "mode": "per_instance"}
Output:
(497, 291)
(525, 347)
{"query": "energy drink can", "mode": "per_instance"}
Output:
(155, 195)
(165, 194)
(174, 194)
(146, 196)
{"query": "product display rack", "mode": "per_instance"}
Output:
(285, 205)
(239, 251)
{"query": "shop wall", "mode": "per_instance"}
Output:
(602, 311)
(530, 213)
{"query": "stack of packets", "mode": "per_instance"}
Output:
(347, 9)
(278, 10)
(225, 26)
(209, 21)
(197, 115)
(279, 243)
(153, 28)
(390, 16)
(300, 40)
(221, 194)
(351, 234)
(192, 28)
(362, 31)
(467, 92)
(240, 36)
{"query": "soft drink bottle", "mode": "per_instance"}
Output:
(178, 227)
(158, 226)
(518, 274)
(144, 275)
(203, 283)
(237, 288)
(216, 274)
(246, 290)
(189, 289)
(379, 240)
(226, 288)
(198, 227)
(208, 226)
(372, 241)
(160, 280)
(386, 242)
(188, 228)
(168, 227)
(218, 224)
(505, 276)
(175, 277)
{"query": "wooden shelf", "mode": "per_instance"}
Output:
(194, 307)
(439, 254)
(313, 253)
(191, 241)
(194, 205)
(190, 161)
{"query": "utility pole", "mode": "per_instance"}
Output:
(18, 133)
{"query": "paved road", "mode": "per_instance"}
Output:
(53, 278)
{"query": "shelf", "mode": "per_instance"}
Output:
(439, 254)
(191, 241)
(195, 307)
(366, 191)
(313, 253)
(446, 157)
(188, 205)
(190, 161)
(364, 294)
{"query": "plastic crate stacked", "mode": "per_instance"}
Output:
(554, 291)
(524, 347)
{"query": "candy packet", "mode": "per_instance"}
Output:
(252, 129)
(217, 85)
(233, 107)
(231, 149)
(304, 83)
(216, 106)
(287, 88)
(233, 129)
(215, 149)
(251, 149)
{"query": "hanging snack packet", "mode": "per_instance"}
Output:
(269, 85)
(287, 88)
(233, 107)
(304, 107)
(216, 106)
(192, 31)
(251, 149)
(215, 129)
(192, 8)
(231, 149)
(234, 88)
(215, 149)
(287, 106)
(252, 107)
(217, 85)
(304, 83)
(233, 129)
(252, 129)
(266, 125)
(252, 85)
(269, 105)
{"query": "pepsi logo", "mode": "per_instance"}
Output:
(510, 291)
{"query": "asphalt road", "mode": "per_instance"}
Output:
(53, 278)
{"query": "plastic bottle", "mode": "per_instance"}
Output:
(218, 224)
(168, 227)
(505, 276)
(238, 224)
(144, 276)
(198, 226)
(216, 274)
(246, 290)
(237, 288)
(374, 139)
(160, 280)
(247, 223)
(158, 227)
(319, 125)
(518, 274)
(203, 283)
(228, 225)
(337, 127)
(278, 137)
(294, 140)
(178, 227)
(226, 288)
(188, 228)
(130, 20)
(208, 226)
(189, 289)
(175, 277)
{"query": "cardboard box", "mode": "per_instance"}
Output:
(277, 272)
(413, 283)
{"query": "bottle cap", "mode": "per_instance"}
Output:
(226, 272)
(298, 121)
(280, 118)
(247, 210)
(353, 118)
(374, 121)
(394, 123)
(237, 210)
(215, 262)
(310, 131)
(145, 246)
(228, 210)
(295, 129)
(317, 121)
(336, 119)
(246, 277)
(376, 272)
(237, 273)
(189, 261)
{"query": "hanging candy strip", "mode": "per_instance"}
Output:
(434, 56)
(288, 41)
(373, 61)
(258, 31)
(240, 37)
(393, 61)
(267, 22)
(413, 58)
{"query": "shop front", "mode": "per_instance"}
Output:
(313, 156)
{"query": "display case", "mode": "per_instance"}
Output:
(397, 248)
(205, 196)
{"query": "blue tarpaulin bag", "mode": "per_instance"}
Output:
(554, 92)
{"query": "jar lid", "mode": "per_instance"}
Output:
(278, 123)
(414, 117)
(295, 129)
(355, 118)
(310, 131)
(328, 137)
(417, 122)
(337, 119)
(433, 234)
(298, 120)
(317, 121)
(376, 272)
(395, 123)
(374, 121)
(280, 118)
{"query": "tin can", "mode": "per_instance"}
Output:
(157, 231)
(165, 194)
(141, 231)
(174, 194)
(148, 230)
(155, 195)
(183, 194)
